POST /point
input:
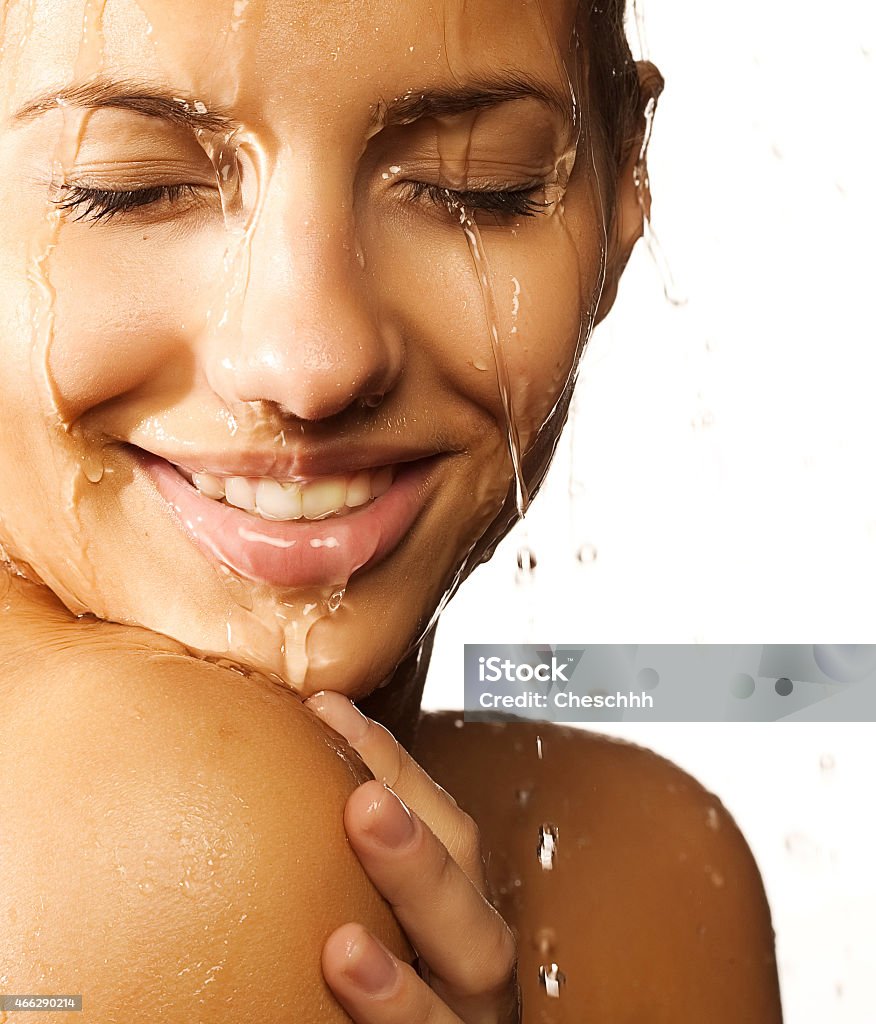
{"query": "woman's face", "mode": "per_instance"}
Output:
(224, 252)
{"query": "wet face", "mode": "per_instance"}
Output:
(264, 275)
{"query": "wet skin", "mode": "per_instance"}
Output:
(362, 328)
(163, 328)
(654, 910)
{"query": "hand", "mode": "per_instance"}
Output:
(425, 859)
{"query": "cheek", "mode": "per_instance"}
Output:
(533, 299)
(127, 307)
(540, 343)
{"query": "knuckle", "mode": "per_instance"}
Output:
(445, 864)
(406, 767)
(493, 968)
(468, 836)
(500, 967)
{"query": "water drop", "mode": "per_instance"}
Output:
(334, 602)
(146, 886)
(586, 554)
(526, 565)
(92, 466)
(712, 819)
(545, 941)
(522, 796)
(458, 723)
(539, 748)
(526, 560)
(546, 850)
(551, 978)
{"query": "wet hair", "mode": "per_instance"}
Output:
(614, 82)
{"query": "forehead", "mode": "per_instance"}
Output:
(284, 58)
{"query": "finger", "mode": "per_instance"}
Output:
(470, 950)
(376, 988)
(390, 763)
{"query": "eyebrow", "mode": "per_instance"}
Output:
(190, 112)
(139, 97)
(501, 88)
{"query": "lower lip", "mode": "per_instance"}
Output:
(297, 553)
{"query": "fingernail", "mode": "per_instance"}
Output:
(370, 965)
(340, 713)
(389, 821)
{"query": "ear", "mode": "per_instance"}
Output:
(633, 194)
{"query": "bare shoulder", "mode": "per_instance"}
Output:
(172, 841)
(655, 908)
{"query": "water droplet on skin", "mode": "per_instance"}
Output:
(545, 941)
(546, 850)
(551, 979)
(92, 466)
(146, 886)
(334, 602)
(458, 723)
(479, 364)
(712, 819)
(539, 748)
(522, 796)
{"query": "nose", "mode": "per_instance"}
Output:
(308, 334)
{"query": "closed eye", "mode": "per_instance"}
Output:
(504, 202)
(101, 204)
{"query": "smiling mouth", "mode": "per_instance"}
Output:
(295, 533)
(284, 500)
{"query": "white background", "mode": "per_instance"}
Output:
(721, 469)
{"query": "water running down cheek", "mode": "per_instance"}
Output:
(320, 556)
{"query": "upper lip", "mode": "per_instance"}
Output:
(290, 463)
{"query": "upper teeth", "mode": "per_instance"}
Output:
(312, 499)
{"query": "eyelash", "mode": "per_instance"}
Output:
(504, 202)
(102, 204)
(97, 204)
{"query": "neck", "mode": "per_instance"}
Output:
(396, 705)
